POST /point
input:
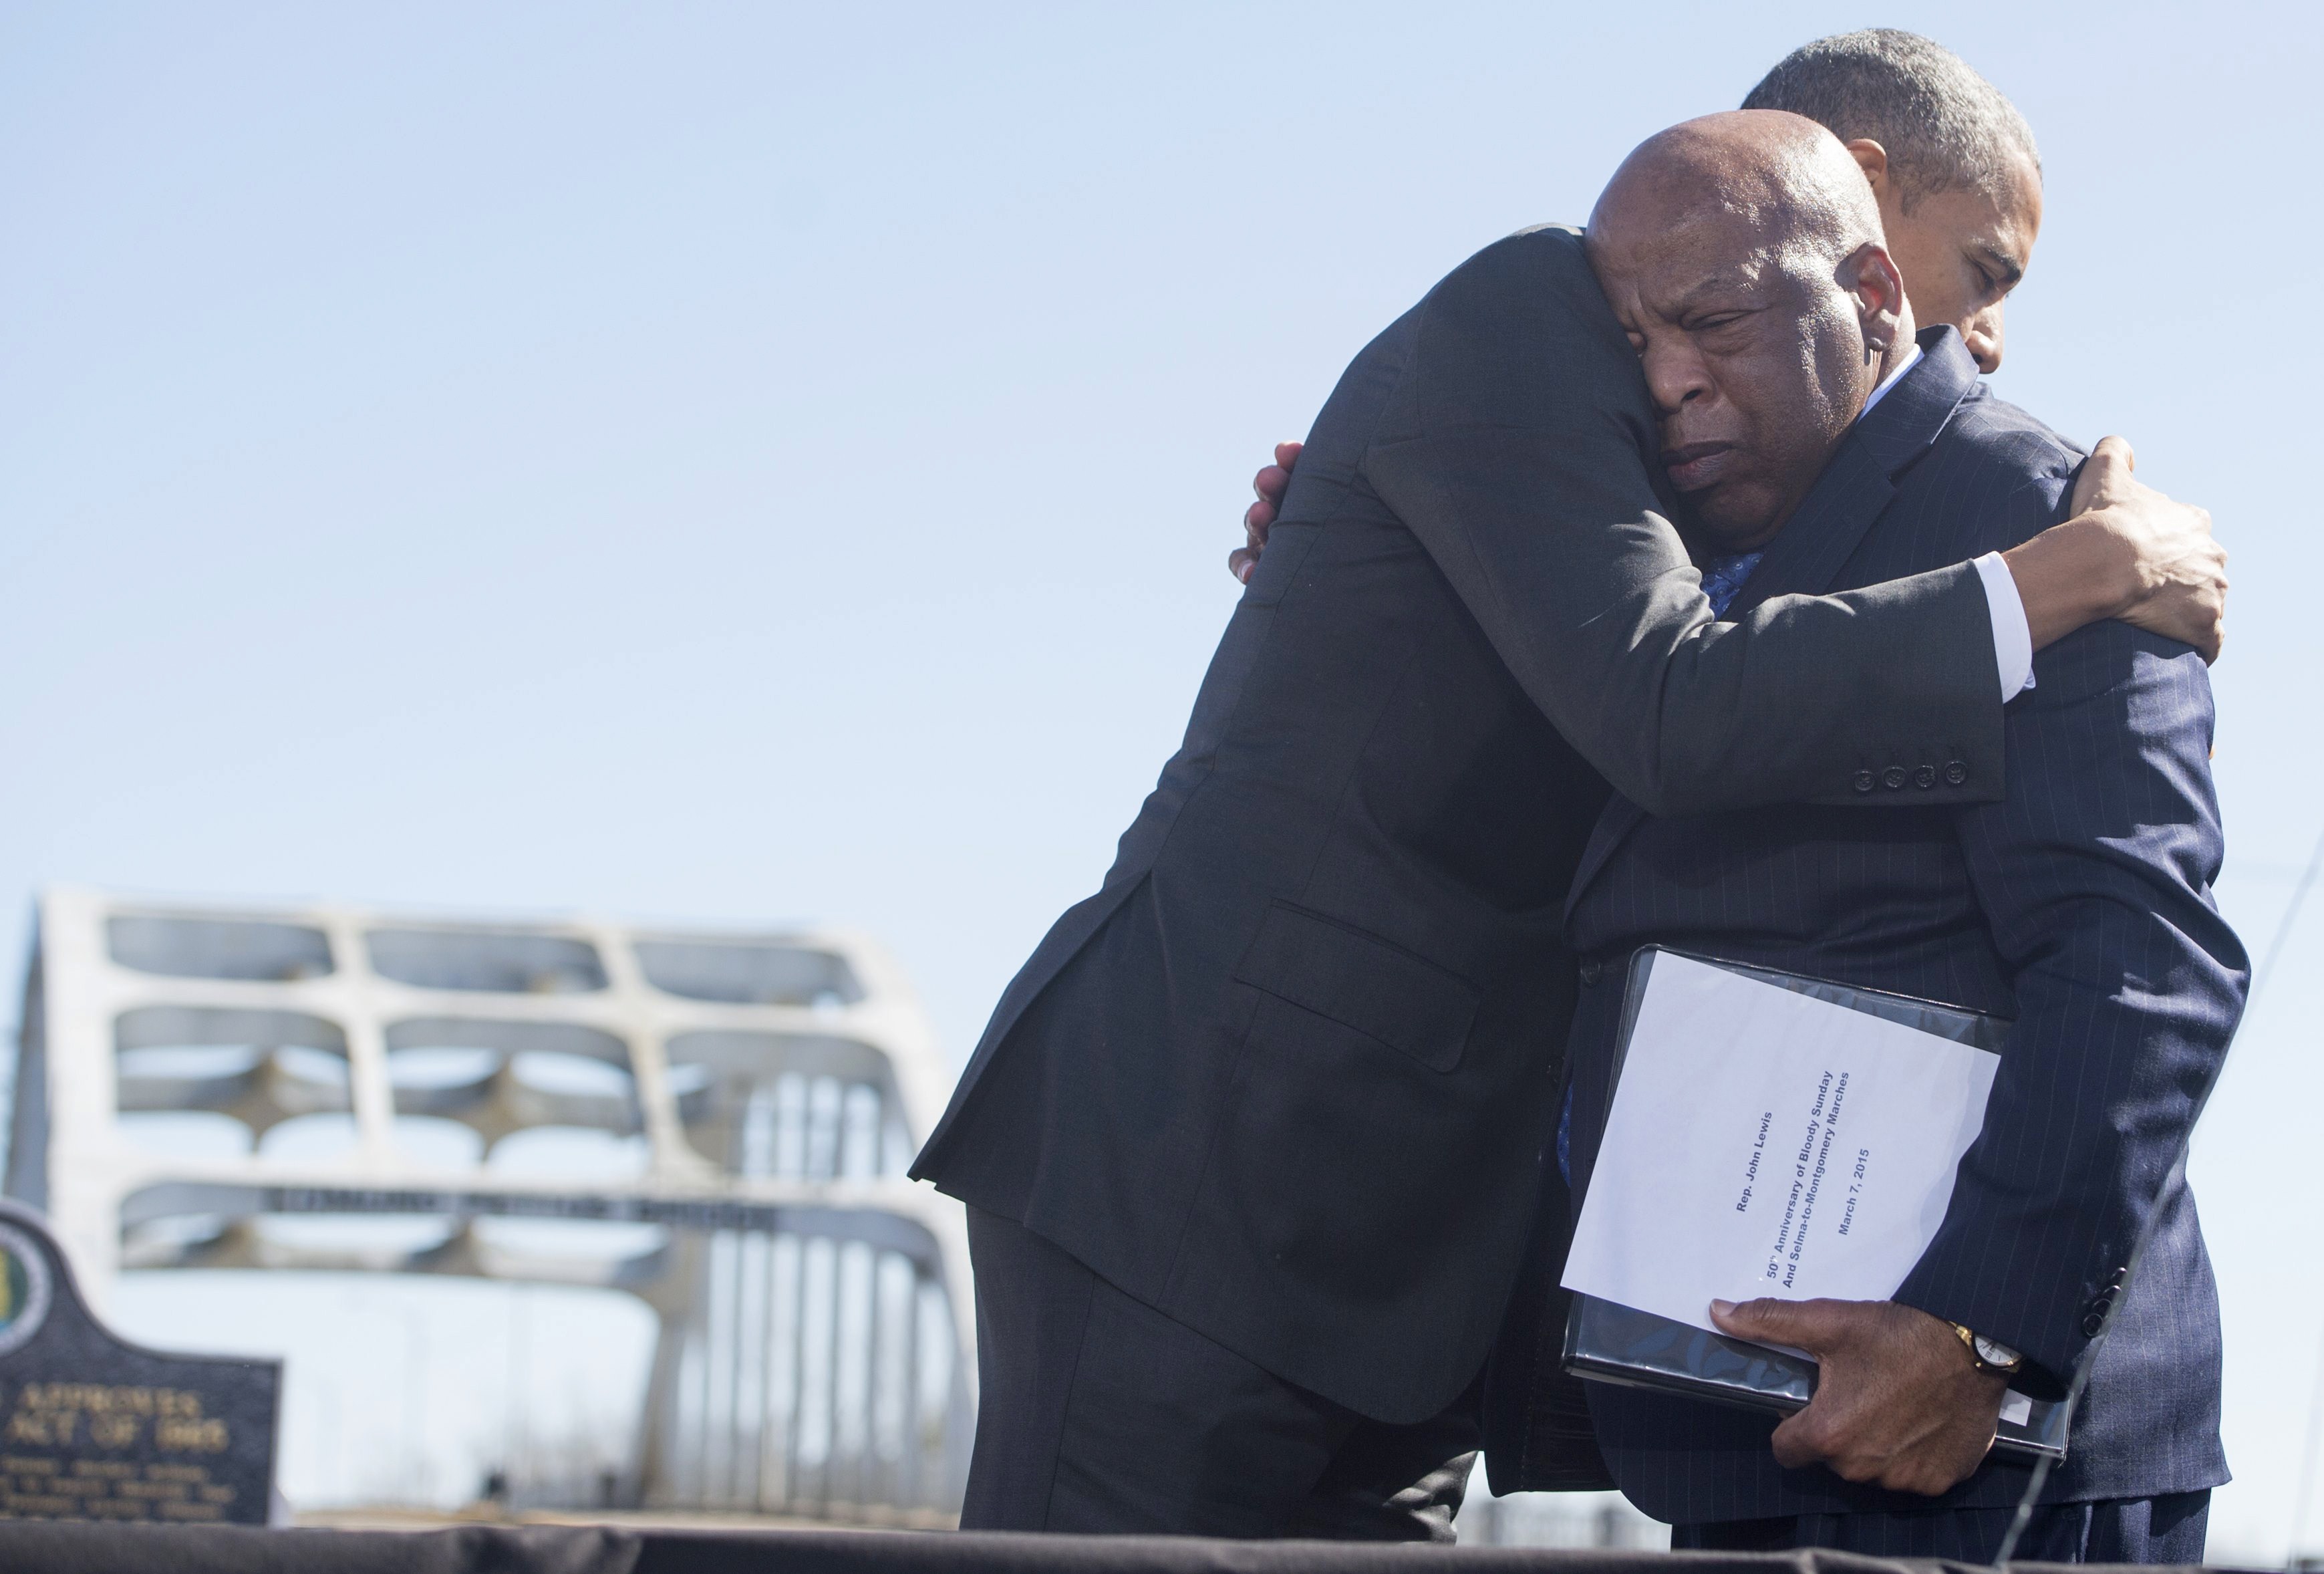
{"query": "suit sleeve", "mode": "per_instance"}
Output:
(2095, 873)
(1516, 448)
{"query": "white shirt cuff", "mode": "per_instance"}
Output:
(2012, 636)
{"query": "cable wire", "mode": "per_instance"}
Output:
(2300, 1495)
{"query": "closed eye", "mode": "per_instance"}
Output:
(1997, 273)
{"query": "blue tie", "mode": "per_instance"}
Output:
(1723, 576)
(1722, 580)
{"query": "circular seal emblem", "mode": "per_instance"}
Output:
(25, 1289)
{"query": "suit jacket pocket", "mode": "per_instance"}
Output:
(1363, 982)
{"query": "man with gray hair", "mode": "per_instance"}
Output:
(1956, 179)
(1951, 161)
(1743, 258)
(1951, 164)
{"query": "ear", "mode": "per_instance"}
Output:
(1870, 275)
(1873, 159)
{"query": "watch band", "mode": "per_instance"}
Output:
(1990, 1355)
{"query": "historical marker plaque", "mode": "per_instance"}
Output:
(94, 1426)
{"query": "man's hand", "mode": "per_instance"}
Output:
(2127, 552)
(1270, 484)
(1898, 1401)
(2183, 572)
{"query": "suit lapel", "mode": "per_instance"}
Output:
(1830, 522)
(1808, 553)
(1829, 525)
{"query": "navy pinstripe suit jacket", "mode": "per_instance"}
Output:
(2079, 905)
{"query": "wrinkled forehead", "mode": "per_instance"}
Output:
(1654, 196)
(1670, 260)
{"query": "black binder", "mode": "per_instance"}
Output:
(1611, 1343)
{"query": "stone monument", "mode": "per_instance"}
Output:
(98, 1427)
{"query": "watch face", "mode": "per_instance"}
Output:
(1993, 1353)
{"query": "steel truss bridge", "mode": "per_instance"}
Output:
(816, 1352)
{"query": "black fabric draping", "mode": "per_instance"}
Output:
(70, 1548)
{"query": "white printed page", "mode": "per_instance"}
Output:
(1762, 1143)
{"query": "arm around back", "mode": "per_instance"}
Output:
(1518, 446)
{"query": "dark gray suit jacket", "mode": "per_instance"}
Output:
(2079, 904)
(1290, 1077)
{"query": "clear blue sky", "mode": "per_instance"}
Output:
(754, 462)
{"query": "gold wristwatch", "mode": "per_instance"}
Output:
(1990, 1355)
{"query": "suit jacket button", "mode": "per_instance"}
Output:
(1926, 777)
(1591, 971)
(1893, 777)
(1863, 781)
(1956, 772)
(2093, 1324)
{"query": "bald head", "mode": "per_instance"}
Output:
(1743, 254)
(1768, 178)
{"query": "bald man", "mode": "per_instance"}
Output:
(1949, 159)
(1953, 168)
(1822, 444)
(1254, 1142)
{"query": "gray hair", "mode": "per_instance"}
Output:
(1945, 127)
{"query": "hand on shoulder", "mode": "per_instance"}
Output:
(1270, 484)
(2128, 552)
